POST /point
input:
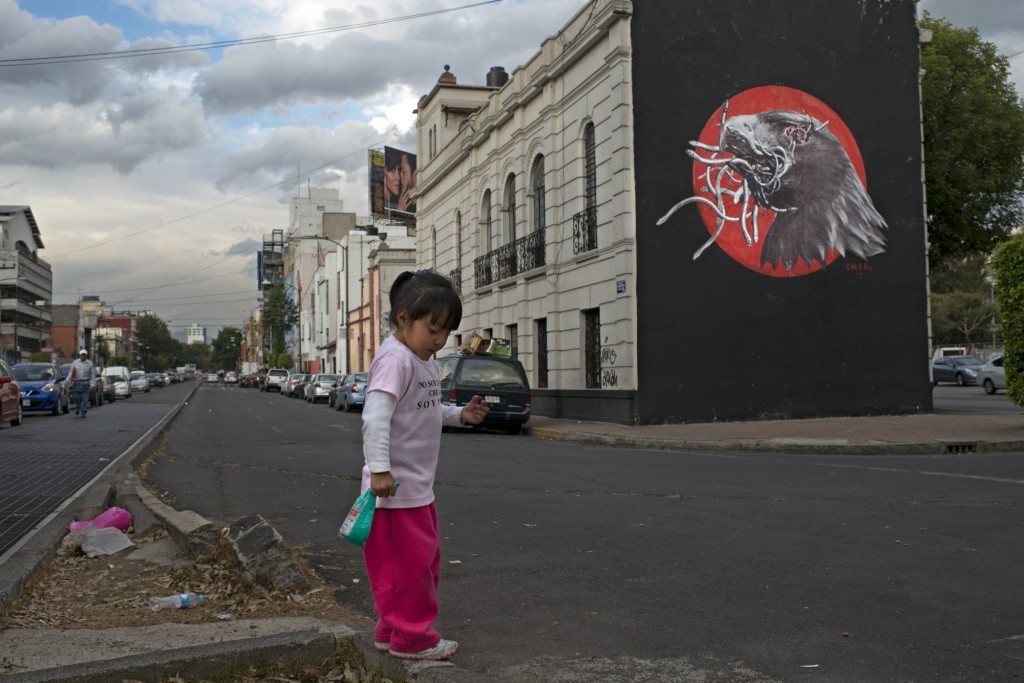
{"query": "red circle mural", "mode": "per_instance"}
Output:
(777, 158)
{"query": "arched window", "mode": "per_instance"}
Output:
(590, 170)
(458, 246)
(510, 208)
(539, 206)
(485, 221)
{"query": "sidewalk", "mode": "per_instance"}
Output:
(893, 435)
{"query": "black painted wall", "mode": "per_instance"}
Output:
(717, 340)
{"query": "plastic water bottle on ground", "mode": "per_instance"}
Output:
(177, 601)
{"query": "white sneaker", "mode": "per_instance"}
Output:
(443, 650)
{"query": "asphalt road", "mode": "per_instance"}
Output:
(566, 563)
(950, 399)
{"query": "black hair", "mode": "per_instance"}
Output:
(424, 293)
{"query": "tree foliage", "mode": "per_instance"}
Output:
(1008, 263)
(974, 142)
(962, 317)
(227, 348)
(279, 313)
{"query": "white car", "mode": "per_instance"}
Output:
(991, 375)
(139, 381)
(122, 387)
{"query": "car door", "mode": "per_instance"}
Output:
(942, 370)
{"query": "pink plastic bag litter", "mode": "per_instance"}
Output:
(118, 518)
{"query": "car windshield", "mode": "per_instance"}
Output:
(967, 361)
(32, 374)
(489, 373)
(359, 377)
(115, 378)
(328, 378)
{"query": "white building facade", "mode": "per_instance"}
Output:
(195, 334)
(527, 201)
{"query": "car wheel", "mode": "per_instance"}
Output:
(15, 421)
(348, 406)
(514, 429)
(960, 380)
(990, 387)
(56, 408)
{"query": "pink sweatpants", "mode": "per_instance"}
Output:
(403, 563)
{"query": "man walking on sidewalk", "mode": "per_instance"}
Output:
(83, 379)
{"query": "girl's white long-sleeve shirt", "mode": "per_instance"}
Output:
(402, 420)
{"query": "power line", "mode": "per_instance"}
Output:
(148, 52)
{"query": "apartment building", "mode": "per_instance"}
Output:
(26, 286)
(637, 210)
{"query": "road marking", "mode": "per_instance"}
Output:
(275, 429)
(952, 475)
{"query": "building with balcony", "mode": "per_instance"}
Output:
(669, 229)
(26, 286)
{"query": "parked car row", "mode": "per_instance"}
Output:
(970, 370)
(45, 387)
(501, 381)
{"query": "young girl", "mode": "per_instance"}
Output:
(402, 421)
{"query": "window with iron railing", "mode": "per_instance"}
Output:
(509, 260)
(584, 231)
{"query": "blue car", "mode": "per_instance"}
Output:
(349, 392)
(43, 388)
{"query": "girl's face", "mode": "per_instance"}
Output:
(423, 336)
(393, 180)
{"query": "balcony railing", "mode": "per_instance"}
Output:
(584, 231)
(456, 277)
(509, 260)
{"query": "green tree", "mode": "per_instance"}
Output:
(962, 317)
(155, 341)
(279, 314)
(227, 348)
(1008, 264)
(973, 140)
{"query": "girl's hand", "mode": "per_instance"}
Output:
(475, 411)
(382, 485)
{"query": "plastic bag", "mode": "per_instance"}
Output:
(118, 518)
(105, 541)
(356, 527)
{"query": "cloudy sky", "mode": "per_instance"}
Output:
(154, 178)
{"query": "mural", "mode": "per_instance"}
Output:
(779, 182)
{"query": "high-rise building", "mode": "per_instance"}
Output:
(195, 334)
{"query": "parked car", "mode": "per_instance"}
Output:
(276, 377)
(349, 392)
(122, 385)
(991, 375)
(319, 387)
(501, 381)
(212, 377)
(139, 381)
(959, 369)
(10, 397)
(230, 378)
(295, 383)
(155, 379)
(43, 388)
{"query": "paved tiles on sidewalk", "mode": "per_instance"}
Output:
(48, 458)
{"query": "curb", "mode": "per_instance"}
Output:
(791, 446)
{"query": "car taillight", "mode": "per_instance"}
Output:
(317, 385)
(355, 388)
(527, 400)
(453, 396)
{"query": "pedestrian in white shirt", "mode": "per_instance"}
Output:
(83, 379)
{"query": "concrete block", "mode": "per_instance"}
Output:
(262, 552)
